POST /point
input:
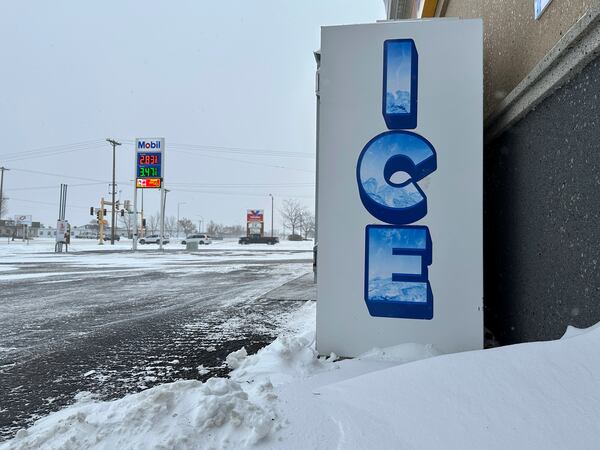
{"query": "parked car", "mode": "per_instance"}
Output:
(153, 239)
(202, 239)
(107, 238)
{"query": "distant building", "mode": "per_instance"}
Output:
(9, 228)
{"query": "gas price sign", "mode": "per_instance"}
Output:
(149, 163)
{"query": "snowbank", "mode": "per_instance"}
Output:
(537, 395)
(184, 414)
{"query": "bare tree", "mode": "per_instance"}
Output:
(307, 225)
(214, 229)
(125, 222)
(292, 213)
(187, 226)
(234, 230)
(153, 223)
(171, 225)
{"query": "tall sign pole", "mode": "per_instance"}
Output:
(149, 174)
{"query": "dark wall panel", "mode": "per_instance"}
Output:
(542, 217)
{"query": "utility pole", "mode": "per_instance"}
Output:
(271, 195)
(2, 169)
(112, 227)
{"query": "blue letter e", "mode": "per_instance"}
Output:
(396, 271)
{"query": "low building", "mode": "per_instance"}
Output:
(10, 228)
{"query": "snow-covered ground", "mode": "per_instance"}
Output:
(115, 322)
(88, 254)
(45, 245)
(537, 395)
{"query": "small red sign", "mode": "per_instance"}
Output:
(148, 183)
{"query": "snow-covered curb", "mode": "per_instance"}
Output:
(534, 395)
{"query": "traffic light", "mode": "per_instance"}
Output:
(98, 214)
(144, 223)
(105, 212)
(122, 213)
(91, 210)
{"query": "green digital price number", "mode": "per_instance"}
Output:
(148, 172)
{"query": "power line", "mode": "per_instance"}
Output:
(52, 186)
(237, 194)
(47, 203)
(243, 161)
(52, 149)
(228, 185)
(56, 153)
(239, 150)
(60, 175)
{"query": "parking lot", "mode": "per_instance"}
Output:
(109, 322)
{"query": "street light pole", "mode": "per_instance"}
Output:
(271, 195)
(112, 226)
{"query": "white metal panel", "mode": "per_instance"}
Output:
(450, 116)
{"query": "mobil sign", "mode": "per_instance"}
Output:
(151, 144)
(400, 186)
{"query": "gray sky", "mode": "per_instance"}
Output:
(237, 74)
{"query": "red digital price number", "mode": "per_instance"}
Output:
(148, 160)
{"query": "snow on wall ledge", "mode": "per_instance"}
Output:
(536, 395)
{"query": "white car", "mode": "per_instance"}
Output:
(202, 239)
(153, 239)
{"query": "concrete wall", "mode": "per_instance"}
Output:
(514, 42)
(542, 217)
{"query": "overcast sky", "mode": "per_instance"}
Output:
(228, 84)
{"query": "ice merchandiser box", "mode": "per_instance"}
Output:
(399, 189)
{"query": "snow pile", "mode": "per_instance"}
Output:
(286, 359)
(537, 395)
(403, 353)
(185, 414)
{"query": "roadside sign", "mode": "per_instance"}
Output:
(149, 162)
(23, 220)
(61, 231)
(148, 183)
(255, 215)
